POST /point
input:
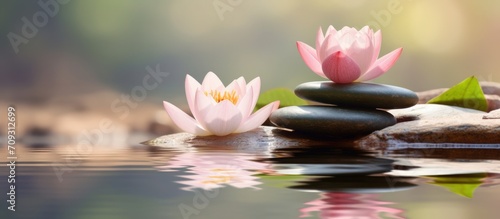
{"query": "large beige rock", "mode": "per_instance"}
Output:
(448, 131)
(265, 140)
(434, 123)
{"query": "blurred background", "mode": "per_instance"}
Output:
(68, 66)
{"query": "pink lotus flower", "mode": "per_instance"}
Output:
(347, 55)
(220, 110)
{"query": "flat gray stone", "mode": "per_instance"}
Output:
(363, 95)
(261, 139)
(331, 120)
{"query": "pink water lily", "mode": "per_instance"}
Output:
(347, 55)
(220, 110)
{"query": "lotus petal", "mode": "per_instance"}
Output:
(258, 118)
(382, 65)
(183, 120)
(308, 54)
(341, 68)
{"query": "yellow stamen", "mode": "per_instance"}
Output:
(219, 96)
(222, 176)
(218, 179)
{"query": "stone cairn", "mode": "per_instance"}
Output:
(346, 110)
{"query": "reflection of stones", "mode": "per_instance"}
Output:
(356, 184)
(436, 123)
(352, 110)
(350, 205)
(38, 138)
(490, 89)
(311, 161)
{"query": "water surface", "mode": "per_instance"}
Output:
(200, 181)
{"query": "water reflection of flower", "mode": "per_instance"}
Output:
(216, 170)
(341, 205)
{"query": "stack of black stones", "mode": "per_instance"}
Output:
(346, 110)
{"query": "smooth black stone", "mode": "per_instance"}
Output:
(363, 95)
(332, 121)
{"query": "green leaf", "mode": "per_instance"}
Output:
(284, 95)
(463, 185)
(467, 94)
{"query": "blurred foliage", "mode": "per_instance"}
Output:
(114, 40)
(284, 95)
